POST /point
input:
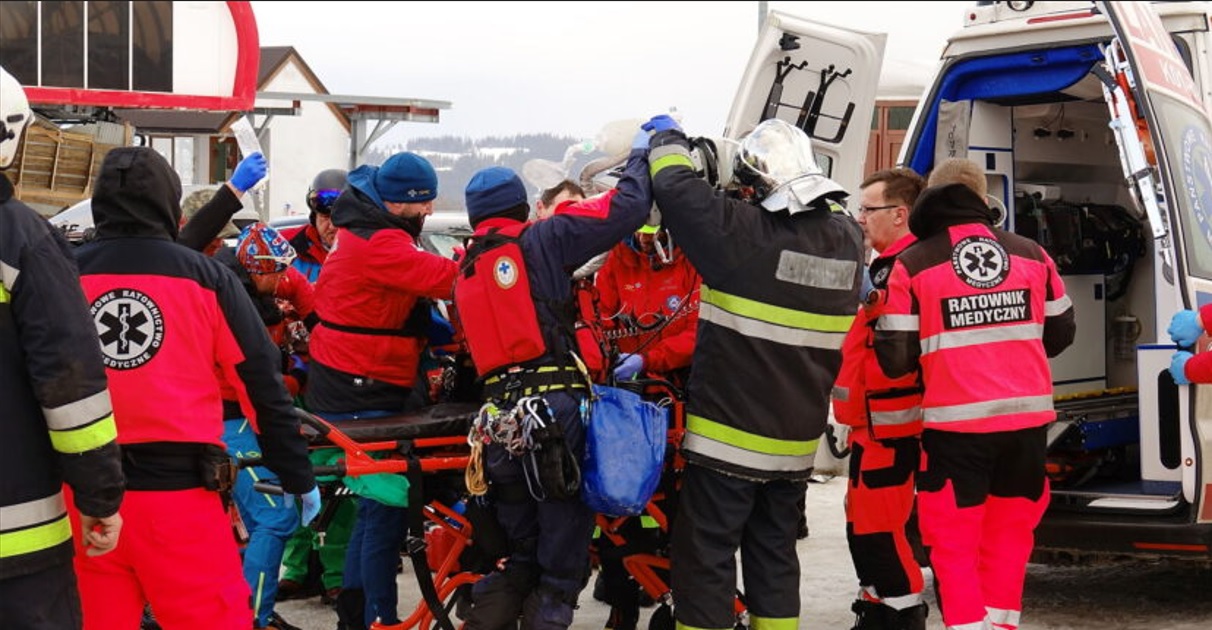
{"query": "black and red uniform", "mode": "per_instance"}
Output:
(885, 419)
(166, 316)
(978, 311)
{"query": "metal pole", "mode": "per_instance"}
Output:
(761, 14)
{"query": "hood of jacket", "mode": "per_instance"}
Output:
(941, 207)
(137, 194)
(357, 211)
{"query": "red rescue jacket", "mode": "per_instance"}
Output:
(863, 396)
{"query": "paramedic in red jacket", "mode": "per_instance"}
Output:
(166, 316)
(979, 311)
(648, 297)
(373, 300)
(885, 420)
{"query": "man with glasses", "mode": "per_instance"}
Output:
(884, 416)
(312, 241)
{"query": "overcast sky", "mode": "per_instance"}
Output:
(565, 68)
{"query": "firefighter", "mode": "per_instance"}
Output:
(884, 416)
(57, 421)
(979, 311)
(514, 294)
(780, 263)
(166, 316)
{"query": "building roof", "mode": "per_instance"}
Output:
(273, 59)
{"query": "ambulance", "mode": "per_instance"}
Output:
(1092, 123)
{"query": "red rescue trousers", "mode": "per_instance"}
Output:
(980, 497)
(879, 507)
(176, 551)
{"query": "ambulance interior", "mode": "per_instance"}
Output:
(1038, 122)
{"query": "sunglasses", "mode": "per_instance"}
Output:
(321, 201)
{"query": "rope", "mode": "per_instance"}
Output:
(474, 475)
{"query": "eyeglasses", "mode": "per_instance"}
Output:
(321, 200)
(870, 209)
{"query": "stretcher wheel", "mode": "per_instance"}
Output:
(662, 618)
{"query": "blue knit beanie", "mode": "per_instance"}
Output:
(404, 177)
(491, 191)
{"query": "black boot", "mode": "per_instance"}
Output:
(870, 615)
(908, 619)
(351, 609)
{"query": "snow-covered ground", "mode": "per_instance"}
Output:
(1153, 596)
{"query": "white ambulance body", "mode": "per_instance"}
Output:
(1092, 123)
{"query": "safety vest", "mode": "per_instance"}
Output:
(492, 280)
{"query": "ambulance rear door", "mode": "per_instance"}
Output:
(1165, 138)
(821, 78)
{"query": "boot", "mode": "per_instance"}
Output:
(908, 619)
(545, 609)
(351, 609)
(870, 615)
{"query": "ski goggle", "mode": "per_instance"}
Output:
(321, 200)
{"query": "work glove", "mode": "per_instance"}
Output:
(311, 505)
(640, 141)
(1185, 328)
(630, 365)
(249, 171)
(663, 122)
(1178, 367)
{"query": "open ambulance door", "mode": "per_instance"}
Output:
(1165, 140)
(820, 78)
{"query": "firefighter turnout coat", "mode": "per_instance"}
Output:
(57, 422)
(778, 295)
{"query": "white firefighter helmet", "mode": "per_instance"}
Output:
(14, 116)
(776, 160)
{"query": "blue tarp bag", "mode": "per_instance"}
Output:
(624, 451)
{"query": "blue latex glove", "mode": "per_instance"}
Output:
(311, 505)
(629, 366)
(640, 141)
(249, 171)
(1178, 367)
(663, 122)
(1184, 328)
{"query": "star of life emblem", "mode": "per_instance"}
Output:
(130, 327)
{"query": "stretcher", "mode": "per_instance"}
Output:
(429, 447)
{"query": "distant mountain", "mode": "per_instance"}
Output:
(457, 158)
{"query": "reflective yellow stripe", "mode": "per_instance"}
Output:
(86, 438)
(779, 315)
(671, 155)
(35, 538)
(749, 441)
(681, 626)
(647, 522)
(4, 295)
(766, 623)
